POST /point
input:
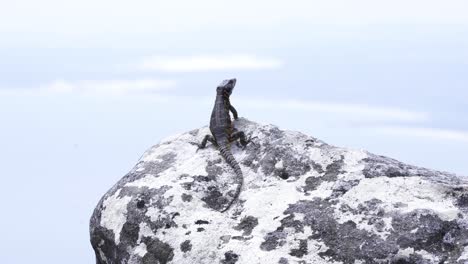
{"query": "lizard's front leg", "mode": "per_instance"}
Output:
(205, 140)
(234, 112)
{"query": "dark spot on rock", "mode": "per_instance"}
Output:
(414, 259)
(187, 185)
(283, 261)
(215, 199)
(103, 239)
(349, 224)
(203, 179)
(317, 167)
(372, 205)
(309, 143)
(331, 174)
(450, 238)
(247, 224)
(186, 246)
(157, 251)
(213, 169)
(140, 204)
(273, 240)
(345, 242)
(290, 222)
(129, 233)
(312, 183)
(284, 174)
(424, 230)
(334, 169)
(200, 229)
(241, 238)
(186, 197)
(201, 222)
(396, 172)
(294, 164)
(163, 222)
(342, 187)
(400, 205)
(462, 201)
(175, 214)
(301, 251)
(377, 222)
(230, 258)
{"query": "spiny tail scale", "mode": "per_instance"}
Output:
(227, 155)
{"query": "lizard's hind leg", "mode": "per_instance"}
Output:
(240, 135)
(205, 140)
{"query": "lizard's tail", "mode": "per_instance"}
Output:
(227, 155)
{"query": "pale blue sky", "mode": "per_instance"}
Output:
(86, 88)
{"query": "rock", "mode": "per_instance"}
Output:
(303, 201)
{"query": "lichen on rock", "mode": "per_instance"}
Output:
(303, 201)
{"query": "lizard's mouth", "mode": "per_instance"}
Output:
(230, 86)
(232, 82)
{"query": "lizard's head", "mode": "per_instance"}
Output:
(226, 86)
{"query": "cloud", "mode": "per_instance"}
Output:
(424, 132)
(354, 112)
(202, 63)
(96, 87)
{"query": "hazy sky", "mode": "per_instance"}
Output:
(87, 87)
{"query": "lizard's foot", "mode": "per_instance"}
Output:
(199, 146)
(250, 140)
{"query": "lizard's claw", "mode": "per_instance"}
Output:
(250, 140)
(196, 144)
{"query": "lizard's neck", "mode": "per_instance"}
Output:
(223, 96)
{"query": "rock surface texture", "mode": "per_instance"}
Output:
(303, 201)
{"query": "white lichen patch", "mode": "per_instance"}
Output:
(145, 231)
(114, 214)
(140, 250)
(415, 192)
(353, 163)
(464, 255)
(279, 164)
(406, 252)
(428, 256)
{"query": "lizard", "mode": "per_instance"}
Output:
(223, 132)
